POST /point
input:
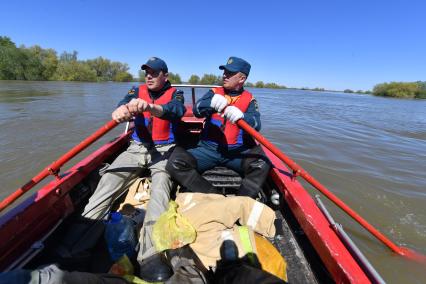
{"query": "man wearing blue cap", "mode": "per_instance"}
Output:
(222, 142)
(156, 107)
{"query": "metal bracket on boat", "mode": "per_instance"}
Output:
(296, 173)
(352, 247)
(54, 173)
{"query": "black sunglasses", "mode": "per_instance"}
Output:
(229, 74)
(153, 73)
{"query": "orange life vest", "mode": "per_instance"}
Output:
(151, 129)
(222, 131)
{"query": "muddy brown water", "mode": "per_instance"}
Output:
(369, 151)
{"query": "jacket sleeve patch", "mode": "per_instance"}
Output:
(131, 91)
(256, 105)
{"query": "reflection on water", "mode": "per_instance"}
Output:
(16, 96)
(369, 151)
(22, 92)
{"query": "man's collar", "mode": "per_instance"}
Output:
(166, 86)
(234, 93)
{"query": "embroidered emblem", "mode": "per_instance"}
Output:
(131, 91)
(256, 105)
(230, 61)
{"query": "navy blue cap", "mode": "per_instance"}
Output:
(235, 64)
(157, 64)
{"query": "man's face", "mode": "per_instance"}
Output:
(233, 80)
(155, 80)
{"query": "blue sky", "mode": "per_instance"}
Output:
(334, 44)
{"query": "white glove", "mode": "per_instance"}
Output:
(233, 114)
(218, 102)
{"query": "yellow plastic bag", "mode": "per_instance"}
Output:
(136, 280)
(172, 230)
(122, 266)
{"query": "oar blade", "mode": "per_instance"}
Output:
(413, 255)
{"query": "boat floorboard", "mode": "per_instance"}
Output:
(298, 268)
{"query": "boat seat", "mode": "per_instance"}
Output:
(223, 179)
(227, 182)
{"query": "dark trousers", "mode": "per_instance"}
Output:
(186, 167)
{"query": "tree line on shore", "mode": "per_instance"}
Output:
(39, 64)
(410, 90)
(211, 79)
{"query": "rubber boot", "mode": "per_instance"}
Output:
(182, 167)
(156, 268)
(256, 167)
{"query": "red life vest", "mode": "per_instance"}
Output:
(224, 132)
(151, 129)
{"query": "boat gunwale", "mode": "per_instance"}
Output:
(16, 236)
(336, 257)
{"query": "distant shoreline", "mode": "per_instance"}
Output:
(319, 90)
(38, 64)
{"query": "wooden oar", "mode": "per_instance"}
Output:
(53, 168)
(297, 170)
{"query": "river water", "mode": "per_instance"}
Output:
(369, 151)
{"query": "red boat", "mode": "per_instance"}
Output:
(316, 249)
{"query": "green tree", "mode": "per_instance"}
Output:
(174, 78)
(259, 84)
(33, 69)
(6, 42)
(211, 79)
(36, 63)
(421, 93)
(68, 56)
(11, 60)
(123, 77)
(273, 86)
(249, 85)
(46, 60)
(422, 85)
(102, 67)
(208, 79)
(194, 80)
(74, 71)
(118, 67)
(49, 61)
(397, 89)
(39, 63)
(33, 63)
(348, 91)
(141, 76)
